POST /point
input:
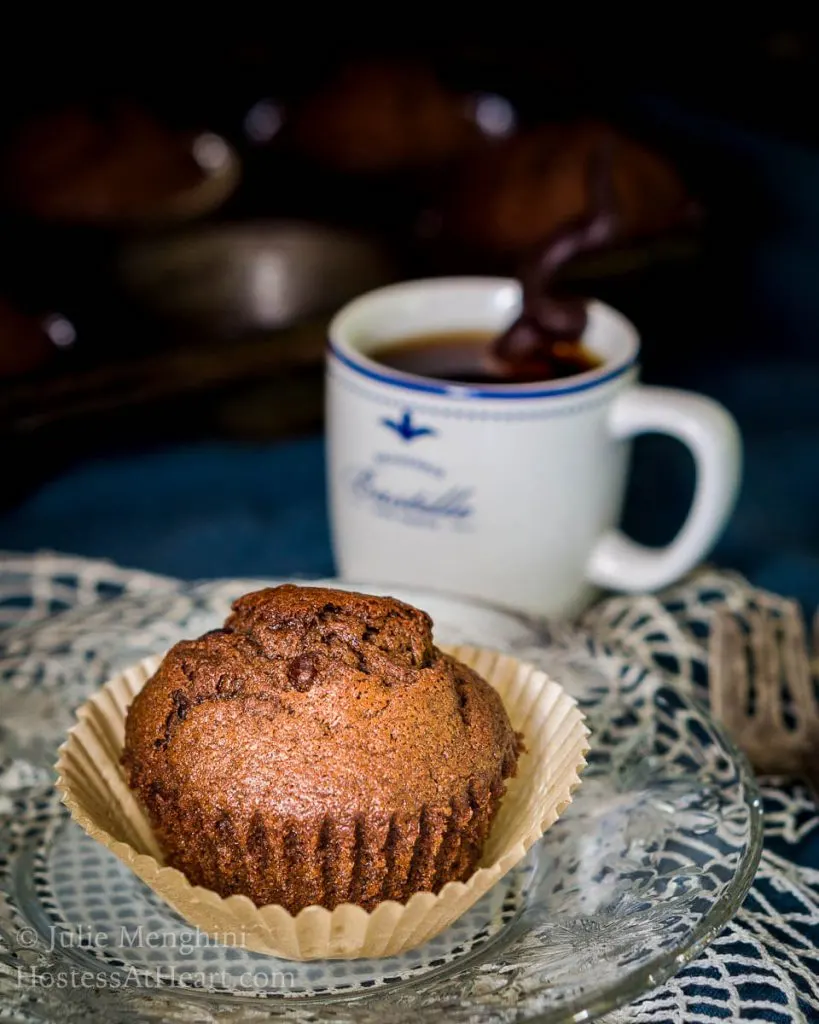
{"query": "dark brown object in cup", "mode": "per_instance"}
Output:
(509, 197)
(464, 357)
(547, 317)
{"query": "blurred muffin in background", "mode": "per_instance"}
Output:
(28, 343)
(378, 117)
(110, 166)
(509, 197)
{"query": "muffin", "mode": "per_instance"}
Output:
(24, 342)
(379, 117)
(319, 749)
(512, 196)
(83, 166)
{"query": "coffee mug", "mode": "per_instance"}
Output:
(506, 492)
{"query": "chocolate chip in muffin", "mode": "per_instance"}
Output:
(319, 750)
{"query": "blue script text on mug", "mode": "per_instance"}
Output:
(507, 492)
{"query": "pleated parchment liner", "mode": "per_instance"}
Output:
(94, 789)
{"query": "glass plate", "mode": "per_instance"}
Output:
(652, 858)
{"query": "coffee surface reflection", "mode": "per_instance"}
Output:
(466, 357)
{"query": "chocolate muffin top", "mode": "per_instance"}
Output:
(86, 166)
(313, 702)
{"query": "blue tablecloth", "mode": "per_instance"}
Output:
(237, 510)
(213, 510)
(208, 510)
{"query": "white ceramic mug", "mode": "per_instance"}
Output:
(508, 492)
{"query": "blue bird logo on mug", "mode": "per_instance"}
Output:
(406, 429)
(515, 495)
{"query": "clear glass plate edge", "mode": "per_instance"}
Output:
(651, 975)
(655, 973)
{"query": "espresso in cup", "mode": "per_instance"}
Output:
(510, 489)
(505, 491)
(465, 357)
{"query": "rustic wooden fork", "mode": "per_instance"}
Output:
(762, 689)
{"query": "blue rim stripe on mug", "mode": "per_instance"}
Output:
(503, 391)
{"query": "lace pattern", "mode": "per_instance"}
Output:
(765, 963)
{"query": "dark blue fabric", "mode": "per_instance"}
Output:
(217, 509)
(773, 536)
(212, 510)
(229, 510)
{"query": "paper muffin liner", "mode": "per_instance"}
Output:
(94, 788)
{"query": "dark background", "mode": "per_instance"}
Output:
(202, 480)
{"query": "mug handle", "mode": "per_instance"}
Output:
(712, 436)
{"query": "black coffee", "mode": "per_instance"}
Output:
(465, 357)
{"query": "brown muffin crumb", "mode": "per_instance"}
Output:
(319, 749)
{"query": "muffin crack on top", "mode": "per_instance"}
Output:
(319, 749)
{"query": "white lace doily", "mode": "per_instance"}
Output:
(765, 964)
